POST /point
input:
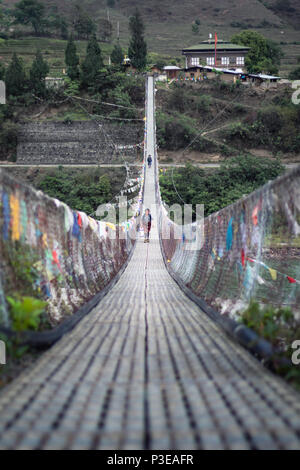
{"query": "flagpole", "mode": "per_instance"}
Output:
(216, 40)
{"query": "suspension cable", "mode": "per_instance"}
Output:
(191, 143)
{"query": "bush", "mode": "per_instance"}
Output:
(274, 126)
(270, 118)
(280, 327)
(23, 276)
(295, 74)
(71, 87)
(217, 189)
(176, 131)
(8, 139)
(82, 192)
(26, 312)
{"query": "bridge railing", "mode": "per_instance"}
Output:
(250, 249)
(73, 256)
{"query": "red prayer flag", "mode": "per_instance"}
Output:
(243, 257)
(216, 40)
(291, 280)
(55, 258)
(255, 215)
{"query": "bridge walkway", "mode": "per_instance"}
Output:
(147, 369)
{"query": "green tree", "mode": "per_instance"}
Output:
(105, 30)
(195, 28)
(83, 23)
(137, 50)
(64, 31)
(160, 64)
(72, 60)
(6, 18)
(15, 77)
(2, 71)
(8, 139)
(236, 177)
(117, 55)
(30, 12)
(92, 64)
(119, 96)
(57, 22)
(1, 11)
(38, 73)
(295, 74)
(283, 6)
(264, 55)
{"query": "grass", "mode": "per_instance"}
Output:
(277, 241)
(77, 115)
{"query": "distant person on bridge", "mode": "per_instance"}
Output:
(146, 222)
(149, 160)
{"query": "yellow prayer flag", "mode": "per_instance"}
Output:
(273, 273)
(15, 214)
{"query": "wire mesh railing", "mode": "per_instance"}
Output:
(72, 256)
(249, 250)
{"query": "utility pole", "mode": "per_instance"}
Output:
(118, 30)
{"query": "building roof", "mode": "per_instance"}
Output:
(223, 70)
(233, 72)
(211, 47)
(264, 76)
(171, 67)
(217, 69)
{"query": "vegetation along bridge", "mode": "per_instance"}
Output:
(153, 366)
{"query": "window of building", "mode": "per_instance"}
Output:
(210, 60)
(225, 60)
(240, 61)
(195, 61)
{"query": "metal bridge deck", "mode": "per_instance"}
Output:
(148, 369)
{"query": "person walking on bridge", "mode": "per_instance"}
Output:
(149, 160)
(146, 222)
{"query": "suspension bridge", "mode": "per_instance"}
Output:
(147, 368)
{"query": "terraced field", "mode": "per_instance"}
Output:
(53, 50)
(169, 26)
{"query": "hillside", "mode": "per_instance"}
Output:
(169, 25)
(213, 120)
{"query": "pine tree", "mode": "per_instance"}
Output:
(117, 55)
(2, 71)
(38, 73)
(72, 60)
(83, 24)
(92, 63)
(137, 50)
(15, 77)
